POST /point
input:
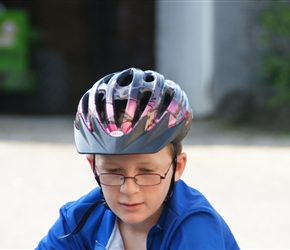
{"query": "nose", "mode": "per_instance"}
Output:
(130, 186)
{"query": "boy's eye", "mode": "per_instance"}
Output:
(146, 170)
(111, 170)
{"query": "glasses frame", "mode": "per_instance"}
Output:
(97, 177)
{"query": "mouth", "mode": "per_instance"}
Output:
(131, 205)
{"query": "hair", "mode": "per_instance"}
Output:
(178, 148)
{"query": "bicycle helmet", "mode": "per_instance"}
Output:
(131, 112)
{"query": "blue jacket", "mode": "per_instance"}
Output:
(188, 221)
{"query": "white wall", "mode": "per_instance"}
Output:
(184, 49)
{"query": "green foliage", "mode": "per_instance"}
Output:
(275, 21)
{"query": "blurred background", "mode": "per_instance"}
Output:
(231, 57)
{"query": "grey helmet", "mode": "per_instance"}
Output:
(131, 112)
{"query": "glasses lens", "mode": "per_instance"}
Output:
(111, 179)
(148, 179)
(141, 179)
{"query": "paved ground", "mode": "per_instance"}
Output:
(244, 173)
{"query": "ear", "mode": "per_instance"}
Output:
(180, 165)
(90, 160)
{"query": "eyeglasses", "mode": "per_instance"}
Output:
(110, 179)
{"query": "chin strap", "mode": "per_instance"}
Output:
(84, 218)
(99, 183)
(172, 184)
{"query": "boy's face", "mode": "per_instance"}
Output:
(133, 204)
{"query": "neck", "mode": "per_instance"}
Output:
(133, 236)
(139, 228)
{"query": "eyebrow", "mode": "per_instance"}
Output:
(141, 164)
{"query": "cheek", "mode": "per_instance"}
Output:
(159, 192)
(110, 193)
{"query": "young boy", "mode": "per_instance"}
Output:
(130, 125)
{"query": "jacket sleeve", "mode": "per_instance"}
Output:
(51, 240)
(203, 231)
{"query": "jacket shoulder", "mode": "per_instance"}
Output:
(195, 222)
(186, 198)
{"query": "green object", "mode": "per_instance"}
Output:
(15, 73)
(275, 22)
(33, 78)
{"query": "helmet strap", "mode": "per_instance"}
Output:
(105, 204)
(172, 184)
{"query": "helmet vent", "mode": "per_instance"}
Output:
(100, 106)
(143, 100)
(166, 100)
(83, 110)
(125, 79)
(85, 105)
(149, 78)
(119, 111)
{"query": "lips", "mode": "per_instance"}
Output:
(130, 205)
